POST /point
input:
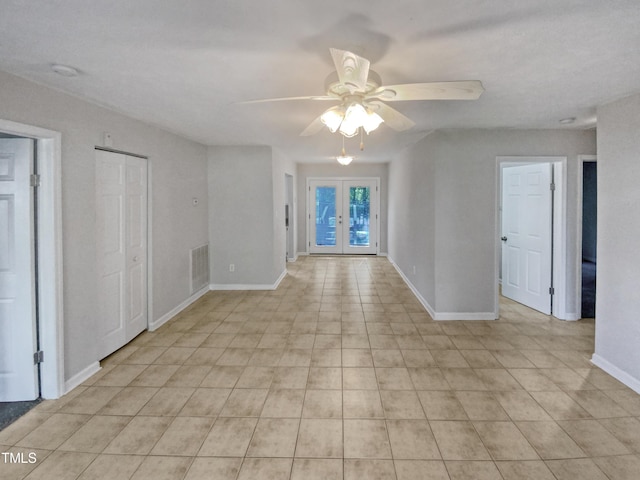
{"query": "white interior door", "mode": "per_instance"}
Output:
(18, 373)
(526, 235)
(345, 216)
(121, 230)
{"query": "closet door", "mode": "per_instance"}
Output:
(121, 233)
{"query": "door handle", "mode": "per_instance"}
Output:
(135, 259)
(504, 239)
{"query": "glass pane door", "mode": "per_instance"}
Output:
(326, 231)
(360, 216)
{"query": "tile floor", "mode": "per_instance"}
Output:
(338, 374)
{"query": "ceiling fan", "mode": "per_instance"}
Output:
(363, 97)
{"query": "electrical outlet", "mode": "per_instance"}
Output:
(232, 267)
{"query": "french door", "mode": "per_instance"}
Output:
(343, 216)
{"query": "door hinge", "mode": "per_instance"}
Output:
(552, 187)
(376, 244)
(34, 180)
(376, 216)
(38, 357)
(309, 243)
(552, 290)
(376, 189)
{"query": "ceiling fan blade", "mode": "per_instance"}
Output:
(391, 116)
(313, 128)
(352, 69)
(462, 90)
(284, 99)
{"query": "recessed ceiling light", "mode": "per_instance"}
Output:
(567, 121)
(65, 70)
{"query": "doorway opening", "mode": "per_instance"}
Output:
(531, 251)
(343, 216)
(289, 217)
(586, 238)
(42, 205)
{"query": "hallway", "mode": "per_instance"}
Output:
(339, 374)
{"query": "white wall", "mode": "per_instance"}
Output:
(178, 173)
(461, 173)
(242, 223)
(335, 170)
(617, 291)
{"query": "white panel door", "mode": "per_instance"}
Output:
(526, 235)
(18, 374)
(121, 232)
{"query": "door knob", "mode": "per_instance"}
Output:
(135, 259)
(504, 239)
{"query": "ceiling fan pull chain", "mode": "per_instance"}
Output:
(361, 139)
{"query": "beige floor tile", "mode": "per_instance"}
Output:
(205, 356)
(91, 400)
(525, 470)
(154, 376)
(387, 358)
(274, 437)
(283, 404)
(359, 379)
(188, 376)
(229, 437)
(205, 402)
(317, 469)
(481, 406)
(362, 404)
(329, 378)
(174, 356)
(108, 467)
(626, 429)
(235, 357)
(326, 357)
(369, 469)
(428, 379)
(129, 401)
(120, 376)
(476, 470)
(420, 470)
(412, 439)
(594, 439)
(394, 379)
(184, 436)
(244, 402)
(322, 404)
(579, 469)
(624, 467)
(23, 456)
(96, 434)
(504, 441)
(627, 399)
(598, 404)
(441, 405)
(458, 440)
(550, 441)
(162, 468)
(449, 359)
(463, 379)
(167, 402)
(266, 357)
(353, 357)
(567, 379)
(366, 439)
(480, 359)
(256, 377)
(267, 468)
(418, 358)
(520, 405)
(207, 468)
(62, 466)
(560, 405)
(144, 355)
(497, 379)
(290, 377)
(401, 404)
(320, 438)
(22, 427)
(54, 431)
(139, 436)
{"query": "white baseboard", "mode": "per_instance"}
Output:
(156, 324)
(248, 286)
(81, 376)
(442, 315)
(383, 254)
(571, 317)
(629, 380)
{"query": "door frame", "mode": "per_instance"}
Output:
(50, 279)
(558, 241)
(582, 159)
(289, 200)
(341, 179)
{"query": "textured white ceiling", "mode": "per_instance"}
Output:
(184, 65)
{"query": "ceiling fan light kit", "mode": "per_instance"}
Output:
(362, 97)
